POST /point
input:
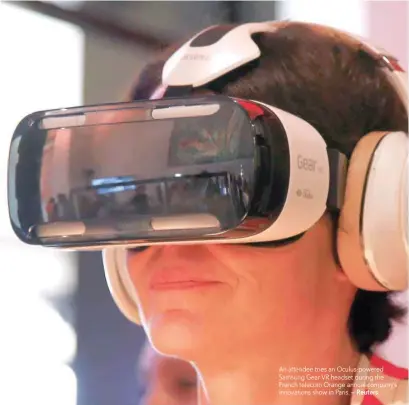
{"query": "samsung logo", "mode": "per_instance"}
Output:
(196, 56)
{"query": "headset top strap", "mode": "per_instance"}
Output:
(218, 50)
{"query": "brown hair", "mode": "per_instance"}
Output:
(323, 77)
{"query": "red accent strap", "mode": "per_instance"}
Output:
(253, 110)
(388, 368)
(395, 64)
(371, 400)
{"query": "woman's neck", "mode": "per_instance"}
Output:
(300, 372)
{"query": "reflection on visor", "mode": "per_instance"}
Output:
(107, 179)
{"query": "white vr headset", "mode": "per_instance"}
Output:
(250, 172)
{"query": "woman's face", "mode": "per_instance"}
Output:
(201, 300)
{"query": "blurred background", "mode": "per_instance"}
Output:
(62, 339)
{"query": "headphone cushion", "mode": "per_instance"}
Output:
(361, 225)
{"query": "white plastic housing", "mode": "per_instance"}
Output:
(385, 221)
(308, 183)
(196, 66)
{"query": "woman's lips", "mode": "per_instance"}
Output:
(182, 285)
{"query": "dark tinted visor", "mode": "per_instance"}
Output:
(130, 172)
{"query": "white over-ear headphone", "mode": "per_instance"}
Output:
(372, 235)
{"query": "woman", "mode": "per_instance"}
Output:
(266, 323)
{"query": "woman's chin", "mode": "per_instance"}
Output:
(176, 333)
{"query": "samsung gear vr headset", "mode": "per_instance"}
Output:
(208, 169)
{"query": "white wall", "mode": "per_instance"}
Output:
(41, 68)
(110, 68)
(348, 15)
(388, 27)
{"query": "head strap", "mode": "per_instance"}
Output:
(218, 50)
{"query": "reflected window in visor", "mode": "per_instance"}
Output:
(136, 171)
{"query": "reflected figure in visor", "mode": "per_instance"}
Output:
(140, 202)
(64, 207)
(51, 209)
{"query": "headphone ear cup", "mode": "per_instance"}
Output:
(371, 240)
(114, 259)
